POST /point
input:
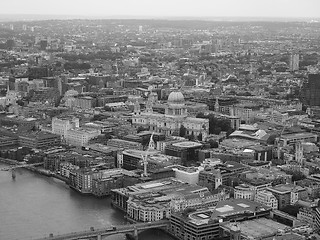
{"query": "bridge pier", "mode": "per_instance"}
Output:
(99, 237)
(135, 234)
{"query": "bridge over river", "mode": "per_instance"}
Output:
(99, 233)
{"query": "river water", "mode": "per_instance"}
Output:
(33, 206)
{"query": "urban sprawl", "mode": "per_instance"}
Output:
(213, 126)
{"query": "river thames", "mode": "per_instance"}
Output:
(33, 206)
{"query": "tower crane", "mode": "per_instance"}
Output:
(144, 157)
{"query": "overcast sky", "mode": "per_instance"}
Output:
(166, 8)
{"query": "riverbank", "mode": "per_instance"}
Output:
(54, 207)
(9, 161)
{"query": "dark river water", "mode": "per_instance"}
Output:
(33, 206)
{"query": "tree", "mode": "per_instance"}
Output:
(200, 115)
(140, 129)
(183, 131)
(213, 143)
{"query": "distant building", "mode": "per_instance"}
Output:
(310, 91)
(85, 102)
(294, 62)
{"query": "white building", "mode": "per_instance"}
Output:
(294, 62)
(267, 198)
(60, 126)
(71, 132)
(80, 136)
(244, 191)
(187, 174)
(170, 122)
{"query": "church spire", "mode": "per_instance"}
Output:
(216, 105)
(136, 107)
(149, 106)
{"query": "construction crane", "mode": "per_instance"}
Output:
(278, 142)
(144, 157)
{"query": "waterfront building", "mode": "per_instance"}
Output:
(110, 179)
(206, 223)
(169, 185)
(66, 168)
(175, 116)
(81, 180)
(154, 206)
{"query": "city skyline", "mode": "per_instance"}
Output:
(165, 8)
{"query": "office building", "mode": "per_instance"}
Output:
(267, 198)
(205, 224)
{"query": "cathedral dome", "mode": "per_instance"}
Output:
(176, 98)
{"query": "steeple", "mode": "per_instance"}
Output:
(149, 107)
(216, 105)
(136, 109)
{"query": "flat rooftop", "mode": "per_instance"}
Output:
(226, 208)
(285, 188)
(298, 135)
(258, 228)
(187, 144)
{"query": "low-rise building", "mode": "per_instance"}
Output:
(288, 194)
(80, 136)
(39, 140)
(206, 224)
(244, 191)
(267, 198)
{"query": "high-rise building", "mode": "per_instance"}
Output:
(294, 62)
(310, 91)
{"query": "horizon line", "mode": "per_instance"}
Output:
(36, 16)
